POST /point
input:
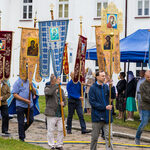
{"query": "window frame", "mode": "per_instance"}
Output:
(28, 12)
(102, 5)
(143, 9)
(63, 3)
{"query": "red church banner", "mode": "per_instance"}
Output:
(5, 53)
(79, 69)
(65, 61)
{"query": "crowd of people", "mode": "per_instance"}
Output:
(96, 99)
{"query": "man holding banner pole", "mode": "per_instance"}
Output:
(99, 100)
(21, 93)
(53, 112)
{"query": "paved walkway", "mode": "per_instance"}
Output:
(37, 134)
(118, 131)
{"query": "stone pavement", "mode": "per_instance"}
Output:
(118, 131)
(37, 134)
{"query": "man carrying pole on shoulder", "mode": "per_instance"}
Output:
(53, 112)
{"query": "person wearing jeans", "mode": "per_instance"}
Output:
(21, 93)
(145, 106)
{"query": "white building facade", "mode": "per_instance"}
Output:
(21, 13)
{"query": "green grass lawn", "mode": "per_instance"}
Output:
(87, 118)
(11, 144)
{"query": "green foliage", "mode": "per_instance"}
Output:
(11, 144)
(131, 124)
(42, 103)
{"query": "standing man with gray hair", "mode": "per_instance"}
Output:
(53, 112)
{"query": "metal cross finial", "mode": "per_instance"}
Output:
(81, 24)
(35, 19)
(51, 10)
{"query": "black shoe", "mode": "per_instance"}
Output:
(60, 148)
(22, 140)
(86, 131)
(114, 114)
(52, 148)
(69, 132)
(6, 133)
(103, 137)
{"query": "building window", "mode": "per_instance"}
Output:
(101, 4)
(63, 9)
(27, 9)
(143, 7)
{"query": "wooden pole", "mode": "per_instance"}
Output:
(110, 86)
(62, 111)
(28, 114)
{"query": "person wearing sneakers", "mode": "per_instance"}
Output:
(145, 106)
(53, 112)
(5, 94)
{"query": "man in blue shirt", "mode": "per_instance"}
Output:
(99, 100)
(74, 103)
(21, 93)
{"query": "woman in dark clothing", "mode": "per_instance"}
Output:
(130, 96)
(120, 102)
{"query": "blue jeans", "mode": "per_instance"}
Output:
(75, 104)
(144, 122)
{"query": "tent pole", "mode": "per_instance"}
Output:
(142, 66)
(124, 66)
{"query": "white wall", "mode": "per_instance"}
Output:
(11, 15)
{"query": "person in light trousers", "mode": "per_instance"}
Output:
(53, 112)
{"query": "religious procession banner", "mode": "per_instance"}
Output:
(105, 43)
(5, 54)
(52, 36)
(79, 69)
(29, 54)
(65, 61)
(107, 39)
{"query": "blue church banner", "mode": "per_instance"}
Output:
(52, 38)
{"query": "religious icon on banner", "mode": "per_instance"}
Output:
(83, 48)
(107, 42)
(2, 44)
(54, 34)
(32, 47)
(112, 21)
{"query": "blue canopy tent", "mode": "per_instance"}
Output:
(133, 48)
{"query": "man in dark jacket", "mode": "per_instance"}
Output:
(99, 100)
(145, 106)
(5, 93)
(53, 112)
